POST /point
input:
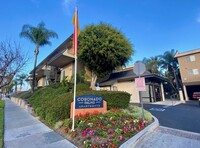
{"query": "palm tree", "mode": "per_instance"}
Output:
(20, 79)
(152, 64)
(15, 83)
(170, 64)
(39, 36)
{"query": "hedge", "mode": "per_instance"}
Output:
(54, 104)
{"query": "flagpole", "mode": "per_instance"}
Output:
(75, 63)
(75, 71)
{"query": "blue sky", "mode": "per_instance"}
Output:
(152, 26)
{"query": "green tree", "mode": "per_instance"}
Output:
(152, 64)
(170, 64)
(39, 36)
(103, 48)
(15, 83)
(21, 78)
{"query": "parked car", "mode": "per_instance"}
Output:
(196, 95)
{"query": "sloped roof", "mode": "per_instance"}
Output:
(60, 48)
(177, 55)
(117, 76)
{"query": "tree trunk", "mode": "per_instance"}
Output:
(93, 81)
(34, 69)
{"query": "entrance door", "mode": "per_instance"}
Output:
(158, 93)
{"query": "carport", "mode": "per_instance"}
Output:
(191, 89)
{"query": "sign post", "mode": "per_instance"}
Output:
(139, 69)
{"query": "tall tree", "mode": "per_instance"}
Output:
(12, 60)
(102, 48)
(170, 64)
(21, 78)
(152, 64)
(39, 36)
(15, 83)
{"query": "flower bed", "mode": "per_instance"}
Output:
(102, 130)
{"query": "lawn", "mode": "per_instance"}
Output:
(1, 122)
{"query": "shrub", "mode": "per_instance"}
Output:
(137, 112)
(82, 87)
(53, 104)
(23, 95)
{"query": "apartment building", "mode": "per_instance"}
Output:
(124, 80)
(58, 64)
(189, 64)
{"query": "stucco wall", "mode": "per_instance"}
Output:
(41, 82)
(186, 65)
(129, 87)
(68, 71)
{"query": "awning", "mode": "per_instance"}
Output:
(61, 60)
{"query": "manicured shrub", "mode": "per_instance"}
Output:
(82, 87)
(23, 95)
(53, 104)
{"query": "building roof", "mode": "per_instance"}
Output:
(128, 75)
(60, 48)
(177, 55)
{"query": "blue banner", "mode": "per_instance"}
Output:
(89, 101)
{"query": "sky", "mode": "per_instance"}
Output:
(152, 26)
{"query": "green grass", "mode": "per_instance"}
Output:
(1, 122)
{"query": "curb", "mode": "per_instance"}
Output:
(131, 142)
(23, 104)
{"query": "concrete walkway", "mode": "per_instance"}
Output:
(164, 137)
(22, 130)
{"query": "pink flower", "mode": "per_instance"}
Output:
(120, 137)
(91, 132)
(110, 131)
(84, 133)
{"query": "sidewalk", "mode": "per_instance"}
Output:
(22, 130)
(164, 137)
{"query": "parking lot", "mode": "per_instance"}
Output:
(183, 116)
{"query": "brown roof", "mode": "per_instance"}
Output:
(128, 75)
(187, 53)
(57, 50)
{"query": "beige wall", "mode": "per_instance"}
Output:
(41, 82)
(186, 65)
(129, 87)
(68, 71)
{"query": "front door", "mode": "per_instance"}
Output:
(158, 93)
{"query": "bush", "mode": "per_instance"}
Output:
(23, 95)
(137, 112)
(53, 104)
(82, 87)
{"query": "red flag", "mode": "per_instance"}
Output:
(76, 31)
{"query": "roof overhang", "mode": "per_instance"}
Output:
(191, 52)
(191, 83)
(160, 78)
(60, 60)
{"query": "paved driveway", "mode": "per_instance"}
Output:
(164, 137)
(184, 116)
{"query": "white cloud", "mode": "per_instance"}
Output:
(69, 6)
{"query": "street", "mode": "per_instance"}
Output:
(184, 116)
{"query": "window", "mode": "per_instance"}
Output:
(193, 71)
(190, 58)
